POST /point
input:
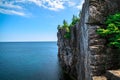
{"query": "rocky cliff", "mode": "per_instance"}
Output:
(85, 54)
(68, 50)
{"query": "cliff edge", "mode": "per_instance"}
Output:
(85, 54)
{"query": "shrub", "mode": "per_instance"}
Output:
(67, 35)
(75, 19)
(112, 31)
(66, 26)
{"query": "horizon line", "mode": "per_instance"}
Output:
(28, 41)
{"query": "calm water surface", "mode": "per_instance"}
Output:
(29, 61)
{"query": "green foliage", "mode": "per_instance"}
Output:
(59, 27)
(112, 31)
(75, 19)
(66, 26)
(67, 35)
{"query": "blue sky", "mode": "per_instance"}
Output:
(34, 20)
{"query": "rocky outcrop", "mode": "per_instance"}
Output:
(68, 50)
(113, 74)
(85, 54)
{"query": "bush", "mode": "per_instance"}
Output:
(112, 31)
(75, 19)
(66, 26)
(67, 35)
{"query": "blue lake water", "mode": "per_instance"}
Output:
(29, 61)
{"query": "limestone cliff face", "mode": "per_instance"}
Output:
(68, 50)
(85, 54)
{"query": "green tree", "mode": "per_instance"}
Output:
(75, 19)
(112, 31)
(65, 24)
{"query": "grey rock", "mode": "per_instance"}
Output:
(86, 54)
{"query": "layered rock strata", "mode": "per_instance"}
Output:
(85, 54)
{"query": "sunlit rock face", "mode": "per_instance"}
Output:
(85, 54)
(68, 50)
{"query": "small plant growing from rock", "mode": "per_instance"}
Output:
(112, 31)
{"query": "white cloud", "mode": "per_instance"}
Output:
(80, 5)
(37, 2)
(10, 5)
(14, 7)
(49, 4)
(71, 3)
(54, 5)
(11, 12)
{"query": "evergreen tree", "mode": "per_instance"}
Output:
(65, 24)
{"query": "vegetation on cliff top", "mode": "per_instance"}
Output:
(112, 31)
(67, 26)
